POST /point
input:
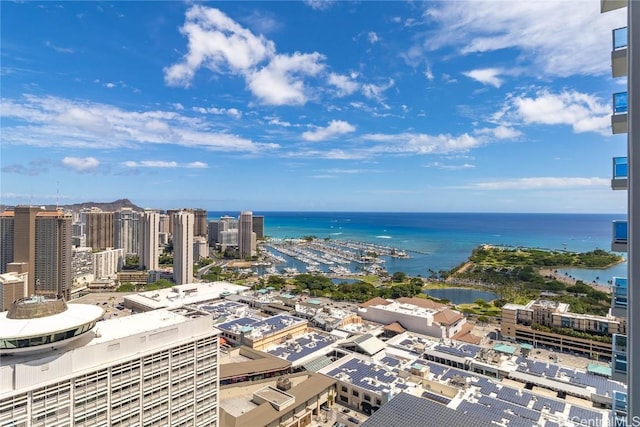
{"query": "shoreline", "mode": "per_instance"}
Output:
(567, 280)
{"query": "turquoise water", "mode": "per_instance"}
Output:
(446, 240)
(461, 296)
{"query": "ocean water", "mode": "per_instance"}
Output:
(445, 240)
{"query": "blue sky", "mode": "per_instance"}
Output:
(496, 106)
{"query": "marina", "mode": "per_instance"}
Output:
(329, 256)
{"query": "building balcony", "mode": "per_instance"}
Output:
(619, 297)
(609, 5)
(619, 116)
(619, 359)
(619, 52)
(620, 402)
(620, 173)
(619, 240)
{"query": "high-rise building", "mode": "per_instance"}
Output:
(258, 226)
(99, 228)
(24, 240)
(158, 368)
(164, 223)
(200, 222)
(52, 271)
(148, 252)
(246, 236)
(625, 118)
(200, 248)
(107, 263)
(40, 245)
(126, 231)
(171, 213)
(212, 233)
(183, 247)
(6, 240)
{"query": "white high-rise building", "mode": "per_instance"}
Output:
(148, 251)
(107, 263)
(246, 236)
(126, 232)
(158, 368)
(183, 247)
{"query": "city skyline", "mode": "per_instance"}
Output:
(276, 106)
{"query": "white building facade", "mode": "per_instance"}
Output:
(183, 247)
(153, 369)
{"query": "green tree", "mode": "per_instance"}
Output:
(398, 277)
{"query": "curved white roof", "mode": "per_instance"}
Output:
(75, 315)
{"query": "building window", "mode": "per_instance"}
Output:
(367, 397)
(344, 398)
(343, 388)
(355, 393)
(378, 402)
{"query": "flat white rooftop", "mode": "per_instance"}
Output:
(180, 295)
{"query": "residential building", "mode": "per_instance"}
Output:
(6, 240)
(258, 226)
(200, 248)
(155, 369)
(625, 118)
(200, 222)
(149, 252)
(52, 266)
(12, 287)
(24, 240)
(212, 236)
(99, 228)
(164, 223)
(548, 323)
(183, 247)
(40, 243)
(246, 236)
(107, 263)
(126, 233)
(82, 265)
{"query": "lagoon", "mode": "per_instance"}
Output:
(460, 295)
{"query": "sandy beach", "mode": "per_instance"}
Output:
(550, 272)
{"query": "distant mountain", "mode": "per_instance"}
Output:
(107, 207)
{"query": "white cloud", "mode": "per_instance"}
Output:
(58, 48)
(344, 84)
(279, 82)
(51, 121)
(220, 44)
(581, 111)
(542, 183)
(163, 164)
(319, 4)
(429, 74)
(557, 38)
(197, 165)
(233, 112)
(487, 76)
(81, 164)
(276, 121)
(216, 41)
(499, 132)
(439, 165)
(335, 127)
(415, 143)
(373, 37)
(373, 91)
